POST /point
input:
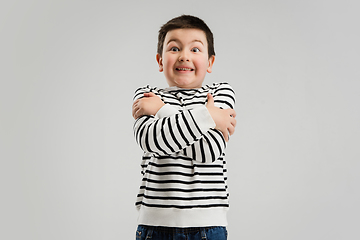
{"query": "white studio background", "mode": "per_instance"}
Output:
(70, 165)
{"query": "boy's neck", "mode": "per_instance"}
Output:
(177, 87)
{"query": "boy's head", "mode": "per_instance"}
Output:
(186, 22)
(185, 51)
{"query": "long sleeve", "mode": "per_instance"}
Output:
(212, 144)
(169, 135)
(190, 132)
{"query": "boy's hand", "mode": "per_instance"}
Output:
(223, 118)
(148, 105)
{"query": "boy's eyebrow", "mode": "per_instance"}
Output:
(176, 40)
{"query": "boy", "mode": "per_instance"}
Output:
(183, 130)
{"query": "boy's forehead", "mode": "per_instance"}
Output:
(184, 35)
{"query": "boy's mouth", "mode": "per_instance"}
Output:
(184, 69)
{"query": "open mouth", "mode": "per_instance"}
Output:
(184, 69)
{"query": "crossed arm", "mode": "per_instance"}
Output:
(189, 132)
(224, 118)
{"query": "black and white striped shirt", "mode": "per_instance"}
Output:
(184, 169)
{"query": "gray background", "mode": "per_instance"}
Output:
(69, 162)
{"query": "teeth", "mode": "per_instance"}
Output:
(184, 69)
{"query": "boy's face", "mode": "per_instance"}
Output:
(185, 59)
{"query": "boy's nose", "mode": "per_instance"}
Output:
(184, 58)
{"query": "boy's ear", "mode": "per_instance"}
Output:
(211, 63)
(159, 61)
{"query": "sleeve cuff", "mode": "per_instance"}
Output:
(166, 111)
(203, 119)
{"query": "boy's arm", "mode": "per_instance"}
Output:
(212, 145)
(165, 136)
(148, 103)
(169, 135)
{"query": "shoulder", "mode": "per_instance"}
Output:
(224, 86)
(223, 94)
(145, 89)
(216, 87)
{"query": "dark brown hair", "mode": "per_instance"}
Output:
(186, 21)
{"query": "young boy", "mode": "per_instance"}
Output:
(183, 130)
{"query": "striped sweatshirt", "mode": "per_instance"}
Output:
(184, 172)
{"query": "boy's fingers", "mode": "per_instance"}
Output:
(233, 122)
(134, 107)
(231, 129)
(134, 112)
(137, 114)
(232, 112)
(226, 134)
(210, 99)
(134, 103)
(149, 94)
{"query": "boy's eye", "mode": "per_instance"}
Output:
(174, 49)
(195, 49)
